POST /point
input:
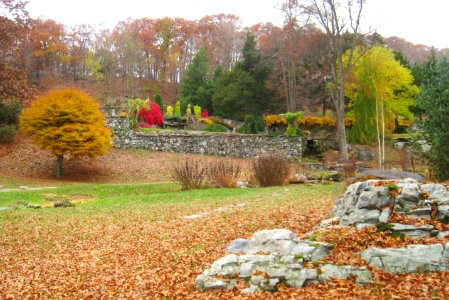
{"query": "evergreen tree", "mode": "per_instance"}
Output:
(195, 86)
(434, 102)
(243, 91)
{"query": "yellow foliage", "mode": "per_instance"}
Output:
(206, 121)
(66, 121)
(325, 121)
(274, 120)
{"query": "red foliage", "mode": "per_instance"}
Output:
(152, 116)
(204, 113)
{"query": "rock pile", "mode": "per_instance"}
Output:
(371, 202)
(272, 257)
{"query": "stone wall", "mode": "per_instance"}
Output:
(223, 144)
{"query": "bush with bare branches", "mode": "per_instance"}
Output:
(271, 170)
(191, 174)
(224, 173)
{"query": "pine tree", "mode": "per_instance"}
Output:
(434, 102)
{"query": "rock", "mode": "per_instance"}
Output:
(436, 191)
(301, 278)
(409, 196)
(420, 213)
(63, 204)
(362, 274)
(242, 184)
(375, 198)
(423, 231)
(442, 234)
(211, 283)
(364, 155)
(7, 208)
(238, 246)
(385, 215)
(411, 259)
(391, 174)
(443, 213)
(329, 222)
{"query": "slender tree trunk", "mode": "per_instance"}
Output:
(59, 161)
(383, 133)
(379, 151)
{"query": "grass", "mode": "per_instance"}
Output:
(131, 237)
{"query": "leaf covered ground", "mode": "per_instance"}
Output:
(130, 241)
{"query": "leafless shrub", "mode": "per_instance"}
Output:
(191, 174)
(348, 168)
(271, 170)
(224, 173)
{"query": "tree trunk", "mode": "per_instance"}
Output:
(59, 160)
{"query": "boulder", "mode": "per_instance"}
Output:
(362, 274)
(423, 231)
(411, 259)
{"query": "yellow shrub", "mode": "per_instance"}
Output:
(274, 120)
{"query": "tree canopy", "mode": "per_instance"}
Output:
(243, 90)
(434, 102)
(66, 121)
(380, 89)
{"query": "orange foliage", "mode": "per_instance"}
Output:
(324, 121)
(66, 121)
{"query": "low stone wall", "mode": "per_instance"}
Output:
(223, 144)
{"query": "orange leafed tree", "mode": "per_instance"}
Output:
(66, 122)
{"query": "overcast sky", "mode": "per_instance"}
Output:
(418, 21)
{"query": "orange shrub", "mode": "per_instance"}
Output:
(274, 120)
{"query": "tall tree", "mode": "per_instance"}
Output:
(195, 86)
(341, 22)
(381, 89)
(434, 102)
(243, 90)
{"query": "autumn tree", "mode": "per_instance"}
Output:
(66, 122)
(14, 84)
(341, 22)
(381, 90)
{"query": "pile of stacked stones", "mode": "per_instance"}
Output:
(273, 257)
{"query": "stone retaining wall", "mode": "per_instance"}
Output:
(224, 144)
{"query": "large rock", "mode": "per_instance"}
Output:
(411, 259)
(362, 274)
(272, 257)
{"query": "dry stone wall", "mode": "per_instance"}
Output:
(237, 145)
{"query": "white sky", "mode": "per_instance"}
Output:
(420, 22)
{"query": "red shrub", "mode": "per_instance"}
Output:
(204, 113)
(152, 116)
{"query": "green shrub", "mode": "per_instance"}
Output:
(197, 111)
(252, 125)
(178, 108)
(7, 133)
(169, 113)
(9, 112)
(189, 110)
(158, 100)
(214, 127)
(291, 120)
(134, 106)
